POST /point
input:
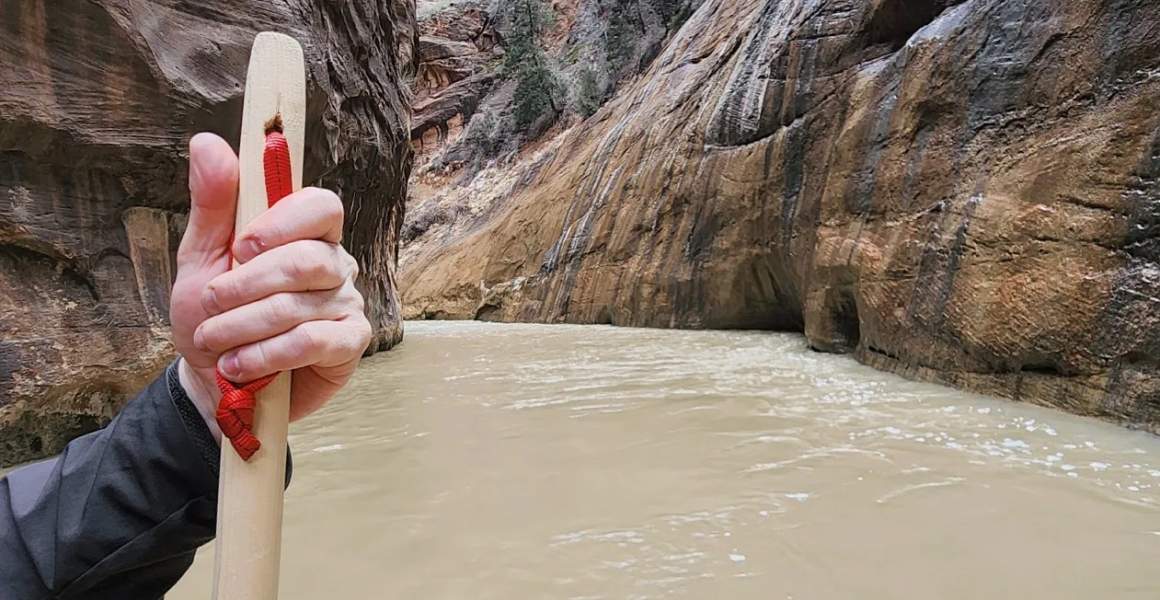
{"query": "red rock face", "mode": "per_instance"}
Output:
(966, 192)
(457, 62)
(97, 103)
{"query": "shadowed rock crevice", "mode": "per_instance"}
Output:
(847, 331)
(1044, 368)
(832, 322)
(893, 22)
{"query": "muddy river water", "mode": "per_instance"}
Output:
(482, 461)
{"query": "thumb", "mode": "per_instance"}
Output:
(213, 195)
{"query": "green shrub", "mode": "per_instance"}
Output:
(484, 132)
(681, 11)
(588, 96)
(626, 26)
(624, 31)
(527, 65)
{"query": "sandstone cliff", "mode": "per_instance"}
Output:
(97, 102)
(960, 191)
(464, 101)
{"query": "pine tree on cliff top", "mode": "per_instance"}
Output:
(527, 65)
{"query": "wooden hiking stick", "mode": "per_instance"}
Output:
(249, 525)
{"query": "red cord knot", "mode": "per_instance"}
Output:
(235, 413)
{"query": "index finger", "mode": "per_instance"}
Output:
(308, 214)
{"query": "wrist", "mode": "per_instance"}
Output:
(203, 394)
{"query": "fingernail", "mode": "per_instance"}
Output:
(196, 144)
(249, 248)
(209, 301)
(194, 177)
(256, 246)
(199, 340)
(230, 365)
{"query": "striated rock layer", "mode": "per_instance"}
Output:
(966, 192)
(97, 102)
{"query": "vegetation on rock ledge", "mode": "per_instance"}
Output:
(526, 64)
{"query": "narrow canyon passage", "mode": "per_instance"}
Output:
(528, 461)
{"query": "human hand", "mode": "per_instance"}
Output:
(290, 305)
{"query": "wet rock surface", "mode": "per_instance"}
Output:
(97, 102)
(965, 192)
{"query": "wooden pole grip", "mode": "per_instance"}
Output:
(249, 525)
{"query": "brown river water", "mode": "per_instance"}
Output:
(481, 461)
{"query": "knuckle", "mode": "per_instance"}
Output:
(279, 308)
(366, 333)
(362, 337)
(307, 265)
(307, 339)
(348, 262)
(330, 205)
(324, 206)
(357, 302)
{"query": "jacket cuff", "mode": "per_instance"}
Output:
(203, 440)
(197, 429)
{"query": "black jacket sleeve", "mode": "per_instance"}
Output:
(120, 512)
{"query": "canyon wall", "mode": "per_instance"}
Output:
(97, 102)
(965, 192)
(466, 95)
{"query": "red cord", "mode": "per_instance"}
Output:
(235, 413)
